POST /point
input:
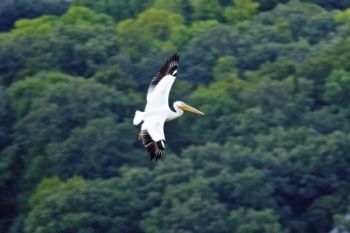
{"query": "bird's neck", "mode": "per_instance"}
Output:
(178, 112)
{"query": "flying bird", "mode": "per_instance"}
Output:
(157, 110)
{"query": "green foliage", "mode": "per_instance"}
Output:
(6, 118)
(112, 75)
(269, 4)
(342, 223)
(70, 105)
(205, 9)
(320, 212)
(10, 11)
(74, 16)
(337, 87)
(152, 29)
(251, 221)
(117, 9)
(81, 206)
(187, 208)
(97, 150)
(304, 20)
(7, 161)
(184, 34)
(242, 10)
(270, 155)
(331, 4)
(176, 6)
(87, 38)
(225, 69)
(221, 98)
(68, 115)
(342, 16)
(24, 93)
(219, 40)
(253, 179)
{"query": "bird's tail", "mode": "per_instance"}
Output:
(138, 118)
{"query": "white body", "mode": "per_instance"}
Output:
(157, 110)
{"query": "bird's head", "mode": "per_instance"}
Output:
(181, 105)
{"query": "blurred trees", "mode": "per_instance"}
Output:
(25, 93)
(270, 155)
(249, 221)
(68, 112)
(46, 42)
(119, 10)
(6, 118)
(13, 10)
(184, 208)
(82, 206)
(205, 9)
(336, 87)
(242, 10)
(97, 150)
(151, 31)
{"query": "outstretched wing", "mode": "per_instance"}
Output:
(159, 89)
(169, 68)
(154, 149)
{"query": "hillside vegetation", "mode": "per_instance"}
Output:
(271, 155)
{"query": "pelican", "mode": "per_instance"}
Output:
(157, 110)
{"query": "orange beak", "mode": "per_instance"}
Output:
(191, 109)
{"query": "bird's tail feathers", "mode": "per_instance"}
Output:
(138, 118)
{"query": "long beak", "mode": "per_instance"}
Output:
(191, 109)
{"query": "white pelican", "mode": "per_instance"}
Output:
(157, 110)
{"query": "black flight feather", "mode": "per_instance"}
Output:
(154, 149)
(169, 68)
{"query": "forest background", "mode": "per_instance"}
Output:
(271, 155)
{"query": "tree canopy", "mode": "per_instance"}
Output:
(272, 153)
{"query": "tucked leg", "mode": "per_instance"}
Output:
(139, 136)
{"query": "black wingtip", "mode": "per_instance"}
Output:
(155, 157)
(168, 68)
(175, 57)
(154, 149)
(171, 63)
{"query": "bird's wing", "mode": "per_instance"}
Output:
(154, 149)
(154, 124)
(159, 89)
(152, 135)
(169, 68)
